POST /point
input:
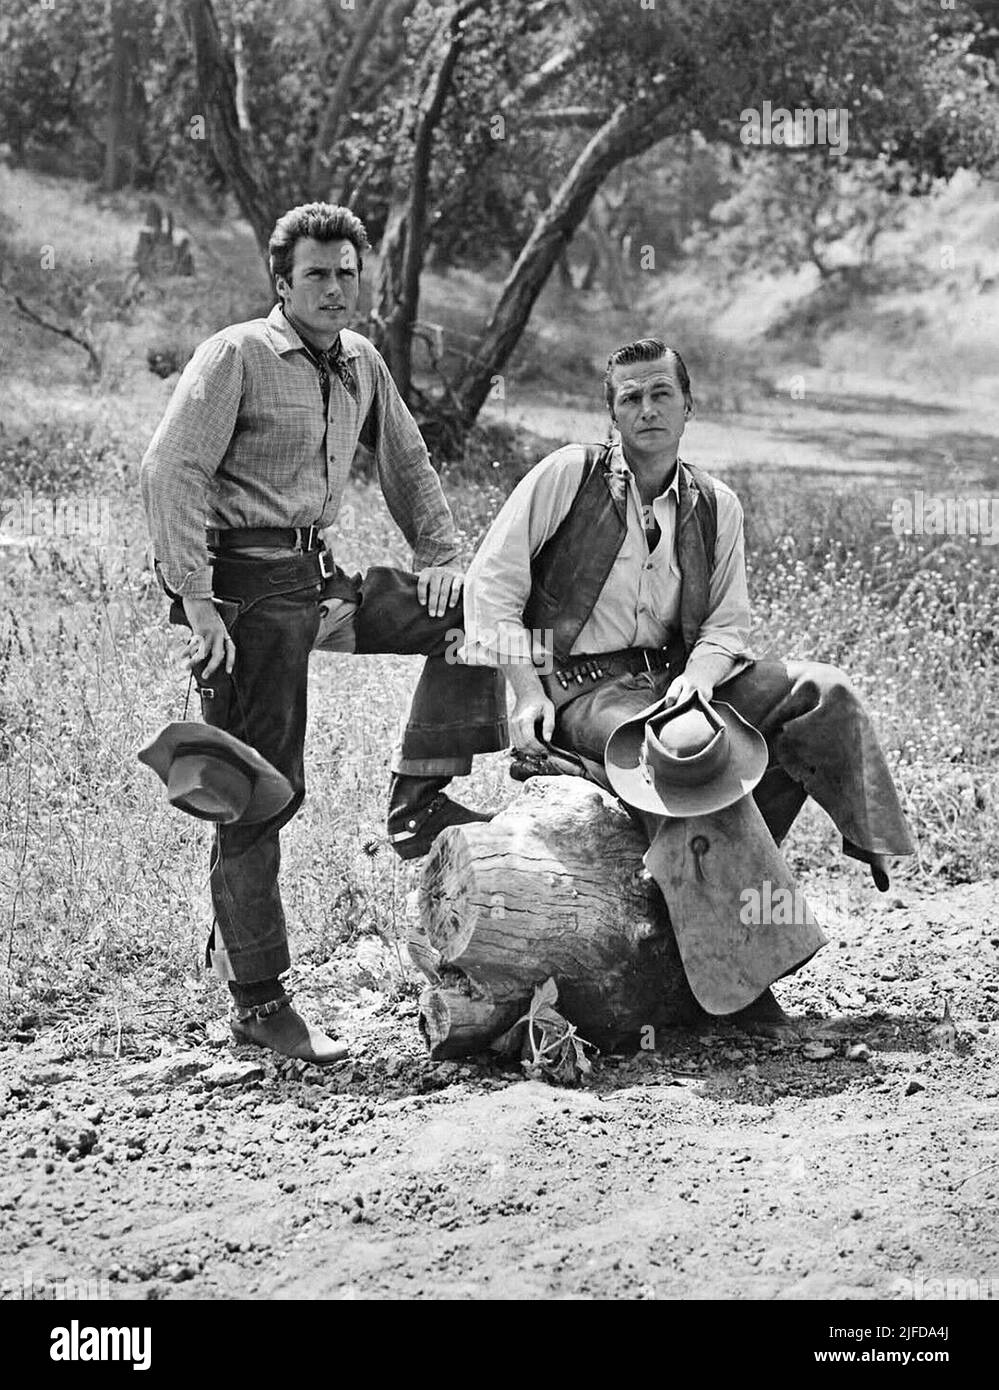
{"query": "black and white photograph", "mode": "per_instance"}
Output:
(499, 592)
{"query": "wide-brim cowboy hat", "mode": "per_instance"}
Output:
(213, 775)
(653, 772)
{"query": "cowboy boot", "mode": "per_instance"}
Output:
(277, 1026)
(419, 811)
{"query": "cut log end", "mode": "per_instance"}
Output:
(552, 887)
(455, 1025)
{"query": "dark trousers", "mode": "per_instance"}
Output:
(456, 713)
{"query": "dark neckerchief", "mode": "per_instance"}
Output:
(326, 362)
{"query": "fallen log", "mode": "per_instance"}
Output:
(553, 886)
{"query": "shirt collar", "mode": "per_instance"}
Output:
(286, 339)
(619, 466)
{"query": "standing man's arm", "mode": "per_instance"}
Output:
(414, 496)
(180, 463)
(722, 646)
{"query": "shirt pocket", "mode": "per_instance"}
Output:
(285, 428)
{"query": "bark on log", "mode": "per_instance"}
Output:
(554, 886)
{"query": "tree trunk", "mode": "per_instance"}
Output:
(404, 243)
(241, 90)
(333, 115)
(610, 252)
(630, 131)
(553, 886)
(120, 132)
(217, 93)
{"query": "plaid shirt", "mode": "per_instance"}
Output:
(245, 442)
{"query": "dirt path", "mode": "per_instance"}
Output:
(721, 1165)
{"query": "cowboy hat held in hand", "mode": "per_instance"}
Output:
(212, 775)
(685, 760)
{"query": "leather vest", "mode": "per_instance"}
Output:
(571, 568)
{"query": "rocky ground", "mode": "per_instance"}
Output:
(836, 1161)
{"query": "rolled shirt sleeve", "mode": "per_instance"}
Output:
(182, 458)
(409, 483)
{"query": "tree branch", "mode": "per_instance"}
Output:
(35, 317)
(537, 83)
(335, 107)
(554, 118)
(403, 245)
(630, 131)
(217, 92)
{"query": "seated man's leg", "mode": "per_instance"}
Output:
(584, 725)
(821, 741)
(728, 970)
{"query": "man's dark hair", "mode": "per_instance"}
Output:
(647, 350)
(321, 222)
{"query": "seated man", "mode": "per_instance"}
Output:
(622, 568)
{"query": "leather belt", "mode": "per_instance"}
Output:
(240, 574)
(245, 537)
(571, 678)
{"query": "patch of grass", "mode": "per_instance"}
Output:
(104, 904)
(913, 620)
(53, 458)
(105, 887)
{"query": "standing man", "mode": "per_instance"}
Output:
(249, 462)
(628, 566)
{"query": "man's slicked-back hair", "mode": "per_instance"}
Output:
(321, 222)
(646, 350)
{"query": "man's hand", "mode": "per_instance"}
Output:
(524, 718)
(684, 686)
(439, 587)
(530, 704)
(209, 640)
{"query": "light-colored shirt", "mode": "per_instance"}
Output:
(639, 604)
(245, 442)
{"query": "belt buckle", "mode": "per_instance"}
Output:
(307, 536)
(325, 558)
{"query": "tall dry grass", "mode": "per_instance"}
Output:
(103, 888)
(105, 902)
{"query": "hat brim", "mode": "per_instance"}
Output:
(746, 765)
(271, 789)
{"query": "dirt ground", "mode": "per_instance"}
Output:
(721, 1165)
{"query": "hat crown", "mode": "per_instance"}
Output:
(684, 750)
(685, 760)
(686, 735)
